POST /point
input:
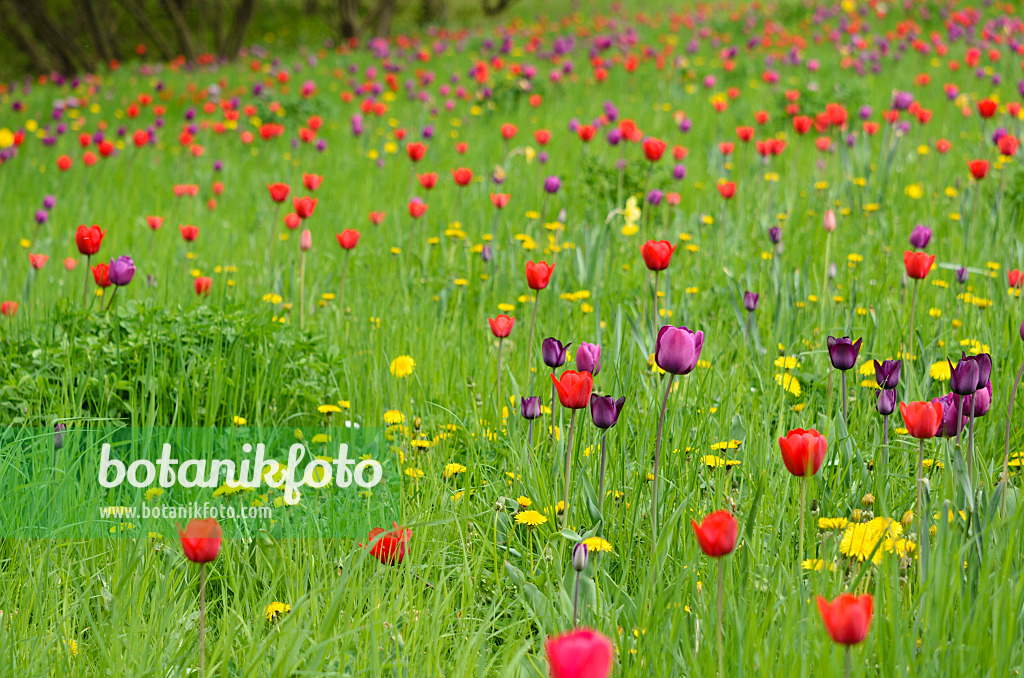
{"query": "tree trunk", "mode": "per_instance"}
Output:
(22, 35)
(181, 28)
(239, 26)
(433, 12)
(497, 7)
(382, 16)
(146, 26)
(348, 18)
(97, 14)
(70, 57)
(312, 7)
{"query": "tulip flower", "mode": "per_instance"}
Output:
(716, 535)
(8, 309)
(604, 412)
(803, 452)
(887, 373)
(553, 352)
(388, 546)
(657, 256)
(920, 237)
(200, 541)
(588, 358)
(203, 285)
(676, 351)
(574, 389)
(579, 563)
(462, 176)
(653, 149)
(154, 223)
(843, 354)
(538, 275)
(189, 233)
(304, 206)
(917, 264)
(416, 150)
(278, 192)
(88, 240)
(847, 619)
(312, 181)
(580, 654)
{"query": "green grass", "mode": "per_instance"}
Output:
(476, 596)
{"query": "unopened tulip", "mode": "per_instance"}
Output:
(847, 618)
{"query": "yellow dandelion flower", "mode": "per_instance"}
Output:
(453, 469)
(789, 383)
(402, 366)
(531, 518)
(939, 371)
(597, 545)
(275, 610)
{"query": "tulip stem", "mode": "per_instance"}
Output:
(575, 600)
(846, 419)
(568, 469)
(922, 526)
(112, 295)
(909, 351)
(554, 400)
(302, 290)
(656, 314)
(1009, 421)
(970, 445)
(341, 292)
(529, 345)
(657, 460)
(803, 507)
(497, 423)
(202, 619)
(959, 421)
(824, 273)
(718, 620)
(85, 292)
(847, 661)
(600, 485)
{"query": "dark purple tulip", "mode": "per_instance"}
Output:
(775, 235)
(49, 202)
(984, 363)
(552, 184)
(920, 236)
(42, 216)
(980, 401)
(614, 136)
(1022, 331)
(553, 352)
(963, 379)
(750, 301)
(486, 253)
(949, 428)
(843, 353)
(588, 358)
(677, 349)
(961, 275)
(886, 401)
(604, 410)
(655, 196)
(887, 373)
(58, 435)
(530, 407)
(122, 270)
(901, 100)
(679, 172)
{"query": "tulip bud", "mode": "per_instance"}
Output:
(306, 241)
(829, 223)
(579, 557)
(886, 402)
(1022, 331)
(961, 275)
(529, 408)
(775, 235)
(832, 271)
(750, 301)
(58, 435)
(486, 253)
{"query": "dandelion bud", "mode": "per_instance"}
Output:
(907, 519)
(855, 517)
(867, 500)
(417, 423)
(579, 557)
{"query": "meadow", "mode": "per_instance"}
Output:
(343, 244)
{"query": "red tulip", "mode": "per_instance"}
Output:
(201, 539)
(716, 534)
(304, 206)
(803, 451)
(500, 200)
(89, 158)
(203, 285)
(101, 273)
(154, 223)
(542, 136)
(586, 132)
(292, 221)
(574, 389)
(922, 419)
(943, 146)
(979, 168)
(579, 654)
(461, 148)
(388, 546)
(312, 181)
(727, 189)
(918, 264)
(538, 275)
(376, 218)
(726, 147)
(1007, 144)
(8, 309)
(745, 133)
(508, 130)
(278, 192)
(987, 108)
(416, 150)
(348, 238)
(847, 618)
(38, 260)
(189, 233)
(417, 208)
(657, 254)
(653, 148)
(427, 180)
(802, 124)
(70, 263)
(1014, 278)
(501, 326)
(462, 176)
(88, 239)
(64, 163)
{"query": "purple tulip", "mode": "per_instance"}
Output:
(486, 253)
(886, 401)
(980, 401)
(579, 557)
(655, 196)
(887, 373)
(42, 216)
(984, 363)
(49, 202)
(920, 236)
(58, 435)
(901, 101)
(677, 349)
(552, 184)
(605, 410)
(553, 352)
(843, 352)
(949, 428)
(122, 270)
(588, 358)
(530, 407)
(963, 379)
(775, 235)
(961, 275)
(750, 301)
(679, 172)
